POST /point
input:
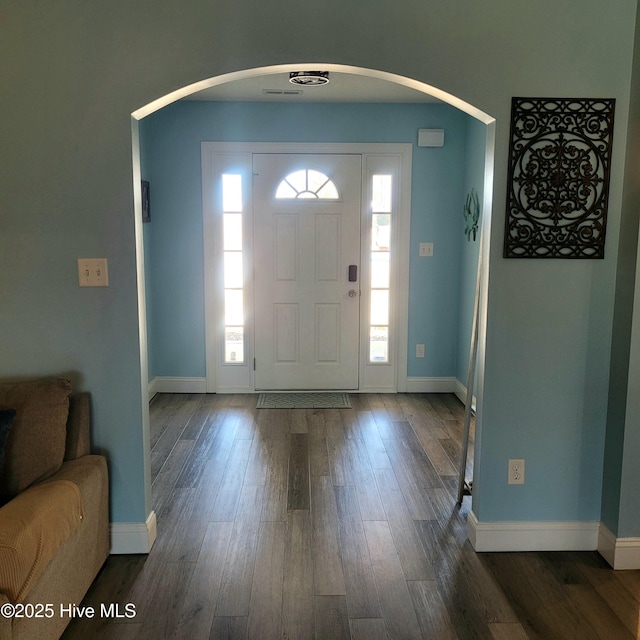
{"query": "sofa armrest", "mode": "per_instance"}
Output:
(78, 442)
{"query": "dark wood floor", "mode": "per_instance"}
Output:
(335, 524)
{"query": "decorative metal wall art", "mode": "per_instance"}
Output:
(471, 215)
(558, 182)
(146, 201)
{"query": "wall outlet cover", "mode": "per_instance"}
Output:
(516, 471)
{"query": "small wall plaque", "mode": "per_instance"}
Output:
(558, 181)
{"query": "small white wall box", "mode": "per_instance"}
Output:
(431, 137)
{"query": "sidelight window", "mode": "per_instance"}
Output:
(233, 269)
(381, 211)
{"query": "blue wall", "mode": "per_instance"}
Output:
(171, 142)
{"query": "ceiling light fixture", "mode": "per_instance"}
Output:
(309, 78)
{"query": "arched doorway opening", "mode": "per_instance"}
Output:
(231, 79)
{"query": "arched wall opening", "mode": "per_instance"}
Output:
(185, 92)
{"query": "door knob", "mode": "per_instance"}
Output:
(352, 293)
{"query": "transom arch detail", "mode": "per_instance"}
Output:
(307, 184)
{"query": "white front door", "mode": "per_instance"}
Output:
(306, 221)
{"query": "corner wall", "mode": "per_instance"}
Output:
(622, 450)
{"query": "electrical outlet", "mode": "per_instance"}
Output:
(419, 351)
(516, 471)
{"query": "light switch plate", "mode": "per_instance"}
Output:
(93, 272)
(426, 249)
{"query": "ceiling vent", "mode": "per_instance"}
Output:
(280, 92)
(309, 78)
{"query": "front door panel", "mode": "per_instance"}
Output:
(306, 236)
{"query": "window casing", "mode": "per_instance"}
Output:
(220, 158)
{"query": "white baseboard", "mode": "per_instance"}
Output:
(133, 537)
(532, 536)
(431, 385)
(165, 384)
(461, 392)
(620, 553)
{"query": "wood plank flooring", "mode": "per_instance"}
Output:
(335, 524)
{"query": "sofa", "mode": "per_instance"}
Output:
(54, 523)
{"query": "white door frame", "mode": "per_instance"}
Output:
(309, 328)
(395, 158)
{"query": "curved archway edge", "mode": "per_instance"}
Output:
(186, 91)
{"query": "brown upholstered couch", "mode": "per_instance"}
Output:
(54, 524)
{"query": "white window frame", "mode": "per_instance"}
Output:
(236, 157)
(225, 376)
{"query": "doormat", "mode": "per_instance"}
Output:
(303, 401)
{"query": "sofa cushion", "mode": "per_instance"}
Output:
(6, 418)
(33, 526)
(35, 446)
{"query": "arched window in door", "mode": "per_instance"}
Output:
(307, 183)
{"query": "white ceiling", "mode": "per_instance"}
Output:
(342, 87)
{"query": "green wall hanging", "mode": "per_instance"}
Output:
(471, 215)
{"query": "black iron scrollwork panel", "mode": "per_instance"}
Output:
(558, 183)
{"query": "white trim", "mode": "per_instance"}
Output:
(168, 384)
(215, 162)
(431, 385)
(133, 537)
(279, 69)
(607, 545)
(395, 161)
(461, 392)
(532, 536)
(620, 553)
(216, 156)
